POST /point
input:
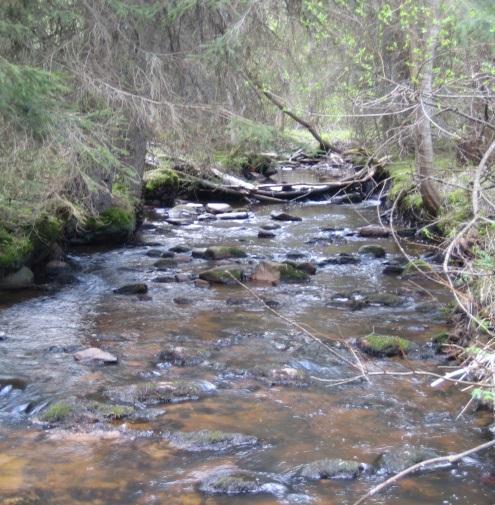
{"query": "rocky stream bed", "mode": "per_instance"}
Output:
(154, 377)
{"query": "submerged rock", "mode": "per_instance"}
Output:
(233, 215)
(393, 268)
(400, 458)
(329, 469)
(341, 259)
(183, 356)
(205, 440)
(283, 376)
(386, 299)
(385, 345)
(132, 289)
(283, 216)
(165, 264)
(180, 249)
(153, 393)
(95, 355)
(238, 482)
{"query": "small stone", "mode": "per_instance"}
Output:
(154, 253)
(164, 279)
(181, 300)
(233, 215)
(266, 234)
(180, 249)
(132, 289)
(165, 264)
(294, 255)
(182, 258)
(373, 250)
(182, 278)
(283, 216)
(199, 252)
(271, 226)
(200, 283)
(95, 355)
(341, 259)
(393, 269)
(204, 440)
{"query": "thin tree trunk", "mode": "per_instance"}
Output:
(423, 136)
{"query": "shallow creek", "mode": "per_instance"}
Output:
(297, 422)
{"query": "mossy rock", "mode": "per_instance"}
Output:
(206, 440)
(161, 185)
(330, 469)
(15, 250)
(385, 299)
(223, 275)
(291, 274)
(385, 345)
(116, 224)
(111, 412)
(224, 252)
(439, 340)
(57, 412)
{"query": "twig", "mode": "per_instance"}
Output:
(423, 466)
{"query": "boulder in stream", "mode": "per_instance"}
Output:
(232, 481)
(400, 458)
(132, 289)
(283, 216)
(271, 273)
(385, 345)
(329, 468)
(374, 231)
(93, 355)
(227, 274)
(270, 226)
(224, 252)
(218, 208)
(341, 259)
(165, 264)
(205, 440)
(153, 393)
(22, 279)
(377, 251)
(266, 234)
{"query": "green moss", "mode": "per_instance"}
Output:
(385, 345)
(116, 223)
(14, 250)
(222, 275)
(162, 179)
(224, 252)
(417, 265)
(289, 273)
(113, 412)
(49, 229)
(57, 412)
(440, 339)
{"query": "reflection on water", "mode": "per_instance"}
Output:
(131, 462)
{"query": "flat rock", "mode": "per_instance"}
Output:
(233, 215)
(165, 264)
(400, 458)
(266, 234)
(385, 345)
(132, 289)
(242, 482)
(271, 226)
(95, 355)
(180, 221)
(283, 216)
(218, 208)
(204, 440)
(329, 469)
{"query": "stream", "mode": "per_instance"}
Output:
(241, 369)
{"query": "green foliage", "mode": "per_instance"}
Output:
(57, 412)
(162, 178)
(386, 344)
(15, 249)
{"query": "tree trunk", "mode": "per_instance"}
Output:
(423, 72)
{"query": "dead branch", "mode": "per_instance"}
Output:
(429, 464)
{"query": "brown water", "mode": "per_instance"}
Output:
(131, 463)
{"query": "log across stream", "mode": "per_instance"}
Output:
(215, 400)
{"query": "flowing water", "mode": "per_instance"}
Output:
(132, 462)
